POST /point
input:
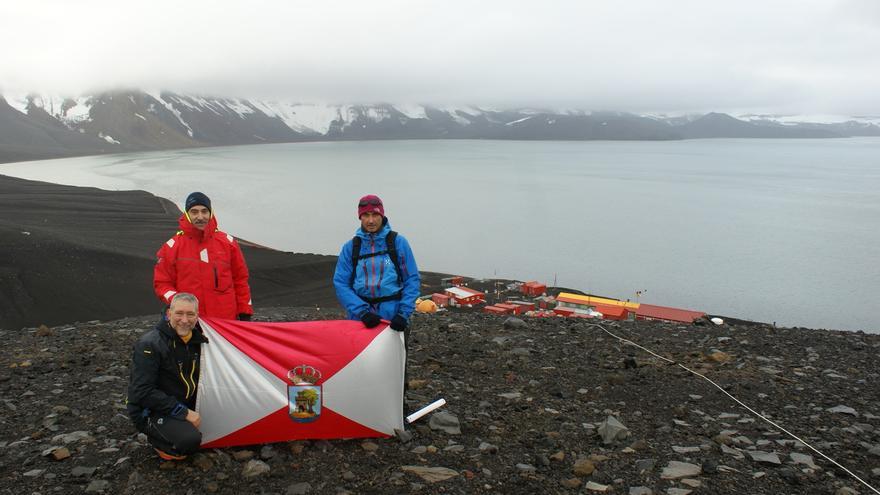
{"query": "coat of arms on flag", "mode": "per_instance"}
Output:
(304, 396)
(272, 382)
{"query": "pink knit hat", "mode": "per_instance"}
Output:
(370, 204)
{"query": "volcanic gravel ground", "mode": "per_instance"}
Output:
(529, 397)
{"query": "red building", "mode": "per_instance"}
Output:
(524, 306)
(463, 296)
(494, 310)
(510, 308)
(612, 312)
(533, 288)
(664, 313)
(441, 300)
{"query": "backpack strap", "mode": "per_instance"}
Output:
(390, 250)
(355, 256)
(391, 245)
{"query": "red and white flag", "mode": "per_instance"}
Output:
(273, 382)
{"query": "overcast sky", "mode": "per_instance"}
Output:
(785, 56)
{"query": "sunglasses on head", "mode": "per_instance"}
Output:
(370, 202)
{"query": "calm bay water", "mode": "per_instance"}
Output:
(782, 231)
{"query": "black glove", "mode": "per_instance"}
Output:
(398, 323)
(371, 320)
(244, 317)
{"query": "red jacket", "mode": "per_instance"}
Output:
(208, 264)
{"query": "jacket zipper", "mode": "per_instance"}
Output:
(189, 390)
(216, 279)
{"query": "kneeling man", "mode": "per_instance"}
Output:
(164, 380)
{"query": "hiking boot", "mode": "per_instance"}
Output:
(169, 457)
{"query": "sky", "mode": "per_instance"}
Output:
(762, 56)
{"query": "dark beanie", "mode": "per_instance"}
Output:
(198, 199)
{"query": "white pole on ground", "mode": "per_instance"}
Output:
(425, 410)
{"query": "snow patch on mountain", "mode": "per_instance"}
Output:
(156, 95)
(514, 122)
(463, 115)
(70, 111)
(305, 118)
(811, 119)
(17, 101)
(412, 111)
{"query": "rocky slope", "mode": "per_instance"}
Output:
(527, 401)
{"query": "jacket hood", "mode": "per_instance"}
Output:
(191, 231)
(386, 227)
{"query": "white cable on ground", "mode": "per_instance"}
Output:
(738, 402)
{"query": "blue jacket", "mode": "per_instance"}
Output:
(376, 277)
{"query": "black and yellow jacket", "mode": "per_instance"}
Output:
(164, 373)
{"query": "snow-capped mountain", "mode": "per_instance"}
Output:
(40, 126)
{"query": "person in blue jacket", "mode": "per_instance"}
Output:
(376, 275)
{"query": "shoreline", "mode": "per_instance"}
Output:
(62, 253)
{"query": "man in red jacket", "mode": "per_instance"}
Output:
(202, 260)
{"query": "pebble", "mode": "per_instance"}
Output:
(525, 468)
(583, 467)
(488, 448)
(403, 436)
(612, 430)
(685, 450)
(571, 483)
(97, 486)
(766, 457)
(804, 459)
(640, 490)
(83, 471)
(301, 488)
(254, 468)
(243, 455)
(597, 487)
(74, 436)
(267, 452)
(677, 469)
(843, 410)
(445, 422)
(33, 473)
(645, 465)
(370, 446)
(57, 453)
(203, 462)
(431, 474)
(709, 466)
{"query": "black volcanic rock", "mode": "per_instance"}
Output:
(526, 425)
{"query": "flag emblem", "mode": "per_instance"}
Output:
(304, 396)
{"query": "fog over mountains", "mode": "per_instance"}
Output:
(36, 126)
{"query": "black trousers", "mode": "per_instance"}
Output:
(171, 435)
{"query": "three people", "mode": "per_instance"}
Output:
(164, 380)
(205, 262)
(201, 271)
(376, 276)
